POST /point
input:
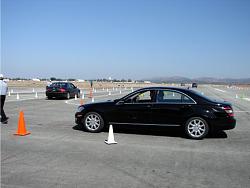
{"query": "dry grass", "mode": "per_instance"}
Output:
(98, 85)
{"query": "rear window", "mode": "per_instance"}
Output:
(60, 85)
(168, 96)
(202, 96)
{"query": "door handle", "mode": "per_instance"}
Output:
(186, 106)
(149, 106)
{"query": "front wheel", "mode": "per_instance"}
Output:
(93, 122)
(196, 128)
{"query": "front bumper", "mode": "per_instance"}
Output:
(78, 118)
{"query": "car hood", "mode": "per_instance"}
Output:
(106, 103)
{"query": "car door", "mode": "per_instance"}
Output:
(135, 109)
(72, 90)
(171, 107)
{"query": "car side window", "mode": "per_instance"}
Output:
(143, 97)
(186, 99)
(169, 96)
(71, 86)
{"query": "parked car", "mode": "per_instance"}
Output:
(194, 85)
(183, 84)
(160, 106)
(62, 90)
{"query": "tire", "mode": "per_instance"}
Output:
(48, 97)
(196, 128)
(68, 96)
(93, 122)
(78, 94)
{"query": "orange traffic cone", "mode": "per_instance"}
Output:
(90, 93)
(21, 129)
(81, 102)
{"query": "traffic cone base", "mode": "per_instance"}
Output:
(21, 129)
(20, 134)
(109, 143)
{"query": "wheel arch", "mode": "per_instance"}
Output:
(205, 117)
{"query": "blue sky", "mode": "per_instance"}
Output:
(135, 39)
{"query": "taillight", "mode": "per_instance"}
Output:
(228, 110)
(62, 90)
(49, 89)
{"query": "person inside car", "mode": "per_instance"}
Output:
(160, 96)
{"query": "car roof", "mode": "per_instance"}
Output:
(60, 82)
(161, 87)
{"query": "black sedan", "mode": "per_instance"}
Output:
(62, 90)
(160, 106)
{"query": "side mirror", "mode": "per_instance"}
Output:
(120, 103)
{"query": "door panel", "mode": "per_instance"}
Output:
(171, 108)
(172, 114)
(133, 113)
(136, 108)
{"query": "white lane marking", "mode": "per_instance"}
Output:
(100, 96)
(17, 100)
(241, 111)
(114, 94)
(68, 102)
(220, 90)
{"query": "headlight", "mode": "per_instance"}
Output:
(80, 108)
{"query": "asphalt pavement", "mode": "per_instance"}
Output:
(58, 153)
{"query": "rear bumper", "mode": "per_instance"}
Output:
(56, 94)
(224, 124)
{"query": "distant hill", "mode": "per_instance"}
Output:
(201, 80)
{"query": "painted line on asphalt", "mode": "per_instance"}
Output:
(100, 96)
(241, 111)
(247, 99)
(220, 90)
(17, 100)
(68, 102)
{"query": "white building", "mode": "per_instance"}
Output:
(36, 79)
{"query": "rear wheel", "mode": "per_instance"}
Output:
(93, 122)
(196, 128)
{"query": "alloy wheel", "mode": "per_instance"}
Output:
(92, 122)
(196, 128)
